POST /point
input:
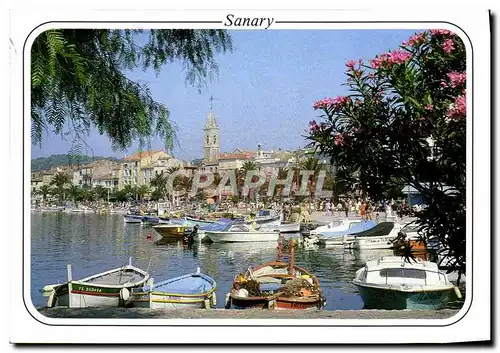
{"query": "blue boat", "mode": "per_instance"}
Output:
(338, 238)
(354, 228)
(194, 290)
(132, 218)
(220, 225)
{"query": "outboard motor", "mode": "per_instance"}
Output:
(190, 238)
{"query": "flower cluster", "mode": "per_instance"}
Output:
(456, 78)
(332, 102)
(440, 32)
(458, 109)
(392, 58)
(415, 40)
(339, 139)
(448, 46)
(313, 126)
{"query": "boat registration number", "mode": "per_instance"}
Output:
(88, 289)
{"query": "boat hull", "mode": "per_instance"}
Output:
(132, 219)
(159, 300)
(236, 237)
(378, 298)
(289, 228)
(193, 291)
(380, 242)
(171, 230)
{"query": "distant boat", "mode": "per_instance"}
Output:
(195, 290)
(110, 288)
(392, 283)
(132, 218)
(176, 228)
(241, 232)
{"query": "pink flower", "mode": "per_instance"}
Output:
(428, 107)
(448, 46)
(422, 118)
(339, 140)
(443, 84)
(350, 64)
(393, 58)
(440, 32)
(456, 78)
(458, 109)
(416, 39)
(334, 103)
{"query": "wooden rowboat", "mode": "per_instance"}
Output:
(276, 285)
(194, 290)
(110, 288)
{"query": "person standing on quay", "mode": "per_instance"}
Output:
(362, 210)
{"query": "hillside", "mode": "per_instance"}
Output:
(44, 163)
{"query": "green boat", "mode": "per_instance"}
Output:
(110, 288)
(393, 283)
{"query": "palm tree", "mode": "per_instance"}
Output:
(75, 192)
(44, 191)
(282, 175)
(142, 191)
(100, 192)
(59, 181)
(160, 183)
(130, 191)
(312, 164)
(242, 172)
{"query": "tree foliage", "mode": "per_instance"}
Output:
(78, 80)
(404, 122)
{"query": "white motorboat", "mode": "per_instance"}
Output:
(289, 227)
(393, 283)
(379, 237)
(335, 226)
(241, 233)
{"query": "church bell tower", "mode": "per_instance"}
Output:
(211, 143)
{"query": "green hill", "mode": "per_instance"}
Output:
(44, 163)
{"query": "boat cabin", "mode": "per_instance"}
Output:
(395, 270)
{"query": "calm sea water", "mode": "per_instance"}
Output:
(95, 243)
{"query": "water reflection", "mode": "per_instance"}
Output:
(94, 243)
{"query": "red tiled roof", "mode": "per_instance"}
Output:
(236, 156)
(137, 156)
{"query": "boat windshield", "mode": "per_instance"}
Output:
(403, 273)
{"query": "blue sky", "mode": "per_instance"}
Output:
(264, 92)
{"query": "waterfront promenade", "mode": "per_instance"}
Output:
(144, 313)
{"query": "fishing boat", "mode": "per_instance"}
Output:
(392, 283)
(276, 285)
(110, 288)
(174, 229)
(221, 224)
(289, 227)
(132, 218)
(194, 290)
(241, 232)
(379, 237)
(151, 219)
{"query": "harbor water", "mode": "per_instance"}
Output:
(93, 243)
